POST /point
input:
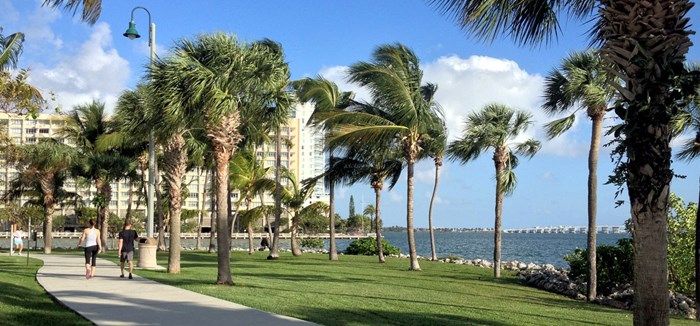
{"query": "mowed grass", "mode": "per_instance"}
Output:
(23, 301)
(359, 291)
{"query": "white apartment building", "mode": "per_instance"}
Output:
(304, 157)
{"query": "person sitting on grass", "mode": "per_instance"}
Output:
(127, 236)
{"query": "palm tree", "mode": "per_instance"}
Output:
(326, 98)
(10, 49)
(581, 82)
(211, 98)
(435, 148)
(250, 179)
(636, 38)
(403, 112)
(374, 164)
(44, 168)
(494, 128)
(690, 151)
(84, 127)
(90, 12)
(294, 196)
(370, 211)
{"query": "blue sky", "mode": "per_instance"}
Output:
(78, 62)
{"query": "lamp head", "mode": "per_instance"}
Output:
(131, 32)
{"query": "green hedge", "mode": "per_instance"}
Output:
(368, 247)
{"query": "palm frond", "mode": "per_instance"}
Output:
(10, 49)
(557, 127)
(528, 148)
(690, 149)
(508, 181)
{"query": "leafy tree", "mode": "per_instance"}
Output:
(645, 43)
(294, 196)
(18, 96)
(314, 218)
(494, 128)
(681, 245)
(581, 82)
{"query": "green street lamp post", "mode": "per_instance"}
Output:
(147, 254)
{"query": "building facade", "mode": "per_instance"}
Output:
(297, 153)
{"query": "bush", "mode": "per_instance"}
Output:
(313, 243)
(368, 247)
(681, 245)
(614, 265)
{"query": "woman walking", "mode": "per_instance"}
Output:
(93, 246)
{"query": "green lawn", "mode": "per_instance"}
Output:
(359, 291)
(23, 301)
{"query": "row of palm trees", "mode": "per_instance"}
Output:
(644, 44)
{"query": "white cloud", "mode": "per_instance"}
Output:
(438, 199)
(466, 85)
(395, 197)
(95, 70)
(38, 31)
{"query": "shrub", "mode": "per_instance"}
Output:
(313, 243)
(368, 247)
(681, 245)
(614, 265)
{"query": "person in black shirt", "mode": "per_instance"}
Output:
(126, 247)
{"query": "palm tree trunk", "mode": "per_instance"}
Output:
(593, 202)
(175, 167)
(130, 198)
(274, 254)
(222, 157)
(332, 251)
(499, 162)
(48, 203)
(212, 215)
(438, 163)
(409, 213)
(296, 251)
(378, 221)
(160, 215)
(201, 211)
(249, 228)
(105, 190)
(266, 221)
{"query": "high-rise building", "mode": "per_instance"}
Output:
(313, 158)
(25, 130)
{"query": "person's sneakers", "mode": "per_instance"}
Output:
(130, 277)
(122, 276)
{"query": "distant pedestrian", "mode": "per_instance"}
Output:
(264, 244)
(17, 240)
(93, 246)
(126, 248)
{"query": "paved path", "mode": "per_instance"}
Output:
(110, 300)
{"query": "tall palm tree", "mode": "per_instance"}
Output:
(44, 168)
(370, 210)
(494, 128)
(581, 82)
(435, 148)
(326, 97)
(645, 43)
(84, 127)
(250, 179)
(403, 111)
(10, 49)
(211, 99)
(90, 10)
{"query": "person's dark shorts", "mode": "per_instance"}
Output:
(126, 256)
(91, 255)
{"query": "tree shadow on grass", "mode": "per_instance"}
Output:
(22, 306)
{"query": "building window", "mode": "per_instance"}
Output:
(44, 130)
(31, 140)
(15, 122)
(31, 130)
(194, 195)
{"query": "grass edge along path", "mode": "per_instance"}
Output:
(23, 301)
(359, 291)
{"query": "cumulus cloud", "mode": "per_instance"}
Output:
(94, 70)
(467, 84)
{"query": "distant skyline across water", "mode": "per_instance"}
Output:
(78, 63)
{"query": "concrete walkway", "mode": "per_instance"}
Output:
(109, 300)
